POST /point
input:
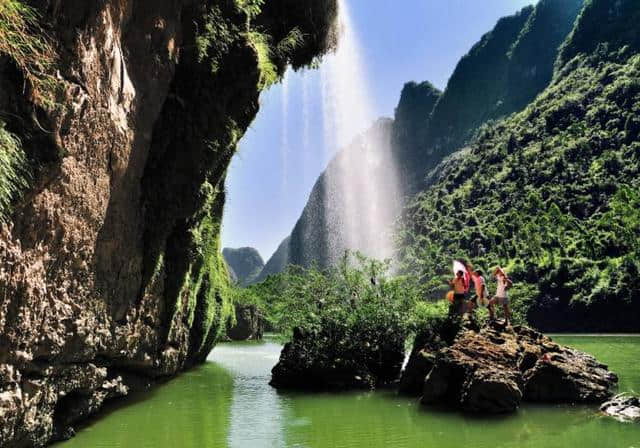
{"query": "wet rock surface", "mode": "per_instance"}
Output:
(623, 407)
(332, 360)
(496, 368)
(249, 324)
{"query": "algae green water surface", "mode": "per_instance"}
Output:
(228, 403)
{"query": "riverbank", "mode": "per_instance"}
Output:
(228, 402)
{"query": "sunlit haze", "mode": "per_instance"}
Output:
(289, 145)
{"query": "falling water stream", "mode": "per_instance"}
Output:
(362, 186)
(284, 143)
(306, 121)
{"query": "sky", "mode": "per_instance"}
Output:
(283, 151)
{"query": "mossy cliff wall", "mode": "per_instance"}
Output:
(110, 266)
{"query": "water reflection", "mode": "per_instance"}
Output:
(189, 411)
(256, 411)
(228, 402)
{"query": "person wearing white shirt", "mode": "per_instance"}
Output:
(501, 297)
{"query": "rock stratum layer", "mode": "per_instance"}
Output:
(110, 267)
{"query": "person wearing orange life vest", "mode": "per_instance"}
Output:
(459, 286)
(501, 297)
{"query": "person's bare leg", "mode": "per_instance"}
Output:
(507, 314)
(492, 314)
(470, 307)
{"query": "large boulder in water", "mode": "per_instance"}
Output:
(566, 375)
(492, 370)
(623, 407)
(423, 355)
(335, 358)
(249, 324)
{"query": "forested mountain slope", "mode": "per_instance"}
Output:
(502, 73)
(553, 192)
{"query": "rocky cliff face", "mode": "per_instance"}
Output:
(110, 266)
(278, 261)
(319, 234)
(500, 75)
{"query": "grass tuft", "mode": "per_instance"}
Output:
(14, 173)
(268, 70)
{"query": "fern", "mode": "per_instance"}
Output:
(268, 70)
(14, 173)
(293, 41)
(251, 8)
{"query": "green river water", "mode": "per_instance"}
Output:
(228, 403)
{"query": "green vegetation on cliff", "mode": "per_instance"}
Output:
(25, 44)
(500, 75)
(14, 171)
(24, 41)
(613, 22)
(475, 87)
(552, 194)
(239, 48)
(532, 56)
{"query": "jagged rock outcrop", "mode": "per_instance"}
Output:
(409, 131)
(249, 324)
(623, 407)
(110, 266)
(494, 369)
(245, 262)
(423, 354)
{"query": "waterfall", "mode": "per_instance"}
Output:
(362, 197)
(284, 139)
(306, 121)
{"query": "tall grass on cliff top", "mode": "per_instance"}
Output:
(23, 39)
(13, 170)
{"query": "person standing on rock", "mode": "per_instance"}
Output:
(501, 297)
(459, 286)
(482, 295)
